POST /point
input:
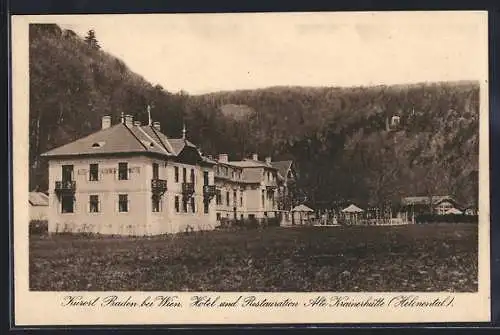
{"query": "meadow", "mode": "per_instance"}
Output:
(432, 257)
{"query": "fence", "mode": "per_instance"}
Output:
(254, 223)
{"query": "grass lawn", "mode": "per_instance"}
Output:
(434, 257)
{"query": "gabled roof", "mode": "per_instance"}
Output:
(250, 163)
(122, 139)
(111, 140)
(426, 200)
(282, 167)
(178, 144)
(38, 199)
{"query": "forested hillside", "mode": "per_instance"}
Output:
(337, 136)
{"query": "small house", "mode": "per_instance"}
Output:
(429, 204)
(38, 205)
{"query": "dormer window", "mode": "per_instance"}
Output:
(148, 143)
(98, 144)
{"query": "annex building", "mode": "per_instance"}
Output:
(131, 179)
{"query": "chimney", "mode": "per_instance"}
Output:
(255, 157)
(223, 158)
(137, 123)
(157, 125)
(268, 160)
(129, 120)
(106, 122)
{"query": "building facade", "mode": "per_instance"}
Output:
(246, 189)
(129, 179)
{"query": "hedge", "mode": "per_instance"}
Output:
(448, 218)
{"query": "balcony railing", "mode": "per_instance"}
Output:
(187, 189)
(158, 186)
(65, 186)
(271, 186)
(209, 191)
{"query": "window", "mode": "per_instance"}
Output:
(184, 205)
(94, 204)
(184, 175)
(156, 171)
(235, 198)
(192, 176)
(177, 204)
(156, 204)
(263, 198)
(218, 197)
(205, 207)
(67, 173)
(67, 204)
(241, 198)
(193, 207)
(205, 177)
(227, 198)
(218, 216)
(122, 171)
(94, 172)
(123, 203)
(176, 172)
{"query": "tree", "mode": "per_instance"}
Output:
(91, 40)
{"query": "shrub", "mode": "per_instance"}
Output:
(38, 227)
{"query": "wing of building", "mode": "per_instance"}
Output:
(131, 179)
(246, 189)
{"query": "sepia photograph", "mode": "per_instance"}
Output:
(299, 152)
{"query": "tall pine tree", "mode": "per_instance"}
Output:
(91, 40)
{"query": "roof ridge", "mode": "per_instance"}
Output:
(138, 140)
(158, 136)
(142, 130)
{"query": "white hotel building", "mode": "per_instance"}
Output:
(130, 179)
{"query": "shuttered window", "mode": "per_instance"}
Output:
(123, 205)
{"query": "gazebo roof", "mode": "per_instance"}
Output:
(352, 209)
(453, 211)
(302, 208)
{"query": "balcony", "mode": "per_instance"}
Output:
(187, 189)
(158, 186)
(271, 186)
(67, 186)
(209, 191)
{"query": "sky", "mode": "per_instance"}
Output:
(201, 53)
